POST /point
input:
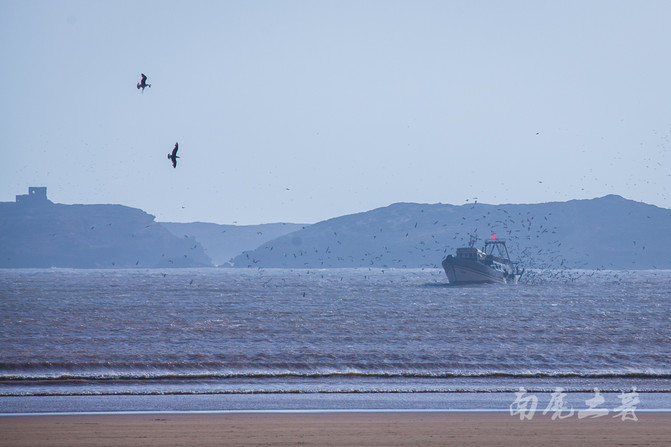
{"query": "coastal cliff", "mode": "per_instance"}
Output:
(37, 233)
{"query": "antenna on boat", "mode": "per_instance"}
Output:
(473, 238)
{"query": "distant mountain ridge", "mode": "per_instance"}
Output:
(604, 233)
(37, 233)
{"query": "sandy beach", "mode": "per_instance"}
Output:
(331, 429)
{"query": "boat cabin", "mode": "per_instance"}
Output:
(470, 253)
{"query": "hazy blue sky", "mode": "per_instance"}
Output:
(304, 110)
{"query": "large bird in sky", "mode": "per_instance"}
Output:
(173, 156)
(143, 83)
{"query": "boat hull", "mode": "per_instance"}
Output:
(464, 271)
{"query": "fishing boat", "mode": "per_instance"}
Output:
(492, 264)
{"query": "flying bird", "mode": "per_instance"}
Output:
(143, 83)
(173, 156)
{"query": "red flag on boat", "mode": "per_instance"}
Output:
(493, 236)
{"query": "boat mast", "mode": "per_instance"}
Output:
(498, 243)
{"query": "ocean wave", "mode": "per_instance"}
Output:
(159, 372)
(460, 390)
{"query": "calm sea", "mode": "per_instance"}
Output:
(232, 334)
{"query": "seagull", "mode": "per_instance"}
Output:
(173, 156)
(143, 83)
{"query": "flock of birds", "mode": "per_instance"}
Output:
(555, 267)
(538, 243)
(172, 156)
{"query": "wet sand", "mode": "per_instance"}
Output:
(331, 429)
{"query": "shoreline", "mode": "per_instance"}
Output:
(309, 402)
(298, 412)
(344, 428)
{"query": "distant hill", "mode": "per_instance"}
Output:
(604, 233)
(35, 232)
(223, 242)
